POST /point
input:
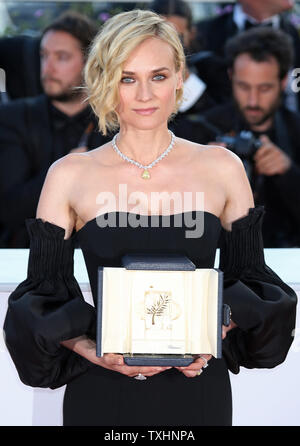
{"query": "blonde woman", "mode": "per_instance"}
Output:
(134, 77)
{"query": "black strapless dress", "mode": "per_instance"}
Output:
(48, 307)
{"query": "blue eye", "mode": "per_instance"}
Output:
(127, 80)
(130, 80)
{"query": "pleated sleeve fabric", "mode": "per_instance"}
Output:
(47, 308)
(262, 305)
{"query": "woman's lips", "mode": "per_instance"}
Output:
(145, 111)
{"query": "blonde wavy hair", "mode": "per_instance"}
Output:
(110, 49)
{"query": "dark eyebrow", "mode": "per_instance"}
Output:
(153, 71)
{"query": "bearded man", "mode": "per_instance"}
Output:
(258, 64)
(36, 131)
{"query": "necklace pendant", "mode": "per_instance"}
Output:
(146, 175)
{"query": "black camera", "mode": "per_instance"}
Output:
(245, 144)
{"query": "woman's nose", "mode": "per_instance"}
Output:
(144, 91)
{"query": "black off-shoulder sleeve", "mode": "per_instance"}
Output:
(46, 308)
(262, 305)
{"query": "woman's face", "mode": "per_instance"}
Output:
(148, 86)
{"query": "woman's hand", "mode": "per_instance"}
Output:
(196, 368)
(86, 347)
(226, 329)
(115, 362)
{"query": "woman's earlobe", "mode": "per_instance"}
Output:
(179, 83)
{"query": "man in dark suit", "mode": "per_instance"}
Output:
(34, 132)
(212, 34)
(259, 60)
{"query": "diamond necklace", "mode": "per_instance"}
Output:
(145, 175)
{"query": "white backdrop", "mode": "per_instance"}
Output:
(266, 397)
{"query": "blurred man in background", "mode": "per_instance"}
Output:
(34, 132)
(259, 61)
(199, 95)
(212, 34)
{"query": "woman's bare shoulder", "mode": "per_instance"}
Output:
(226, 166)
(216, 154)
(57, 195)
(68, 163)
(225, 158)
(73, 164)
(228, 171)
(231, 173)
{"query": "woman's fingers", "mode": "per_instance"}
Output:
(191, 373)
(205, 360)
(199, 362)
(116, 362)
(225, 329)
(146, 371)
(224, 332)
(112, 359)
(195, 369)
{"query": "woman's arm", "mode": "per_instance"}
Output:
(239, 196)
(262, 305)
(54, 203)
(238, 193)
(54, 207)
(87, 348)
